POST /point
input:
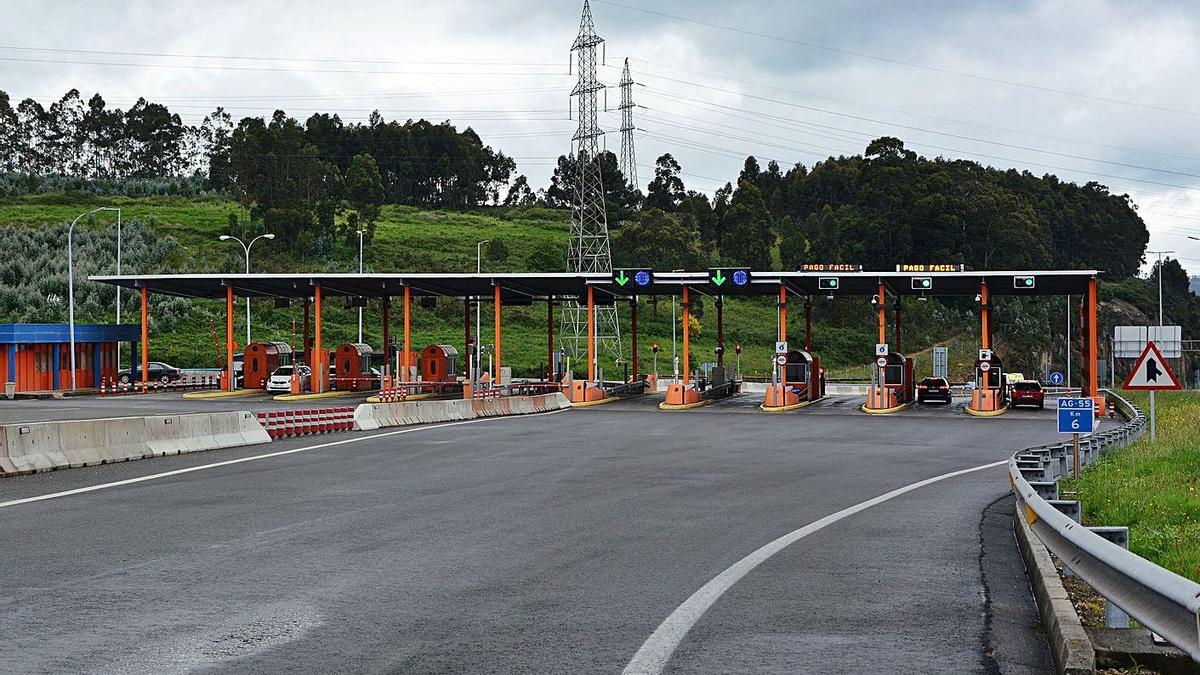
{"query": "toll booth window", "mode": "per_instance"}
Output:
(894, 374)
(797, 372)
(254, 365)
(433, 369)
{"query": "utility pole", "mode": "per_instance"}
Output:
(628, 156)
(588, 250)
(1160, 255)
(360, 271)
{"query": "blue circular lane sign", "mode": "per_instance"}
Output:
(1056, 378)
(740, 278)
(642, 278)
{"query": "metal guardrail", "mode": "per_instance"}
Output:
(1161, 600)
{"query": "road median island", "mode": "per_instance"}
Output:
(47, 446)
(370, 416)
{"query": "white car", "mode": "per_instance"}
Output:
(281, 380)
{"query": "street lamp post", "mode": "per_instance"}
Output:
(1160, 255)
(360, 271)
(71, 279)
(478, 270)
(246, 247)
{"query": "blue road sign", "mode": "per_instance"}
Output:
(1056, 378)
(1076, 415)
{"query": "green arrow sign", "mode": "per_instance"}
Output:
(622, 278)
(719, 278)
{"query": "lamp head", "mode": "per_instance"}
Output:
(269, 236)
(224, 237)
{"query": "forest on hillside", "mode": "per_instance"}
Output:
(320, 176)
(314, 182)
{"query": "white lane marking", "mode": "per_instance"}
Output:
(202, 467)
(654, 653)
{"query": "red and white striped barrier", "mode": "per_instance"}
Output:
(308, 422)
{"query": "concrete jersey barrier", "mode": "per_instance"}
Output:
(370, 416)
(45, 446)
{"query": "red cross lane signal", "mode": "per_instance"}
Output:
(1151, 372)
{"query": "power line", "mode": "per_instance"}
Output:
(954, 150)
(908, 64)
(903, 111)
(910, 127)
(109, 52)
(282, 70)
(219, 98)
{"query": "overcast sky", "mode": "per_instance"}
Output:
(1096, 90)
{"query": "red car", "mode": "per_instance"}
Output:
(1028, 392)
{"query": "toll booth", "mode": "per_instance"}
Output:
(803, 375)
(991, 388)
(352, 368)
(37, 356)
(803, 381)
(439, 363)
(892, 386)
(260, 359)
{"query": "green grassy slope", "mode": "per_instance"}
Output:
(1153, 488)
(414, 240)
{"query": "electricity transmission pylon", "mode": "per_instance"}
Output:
(588, 250)
(628, 156)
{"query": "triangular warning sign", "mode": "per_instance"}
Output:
(1151, 372)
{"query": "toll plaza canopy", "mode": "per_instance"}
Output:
(564, 286)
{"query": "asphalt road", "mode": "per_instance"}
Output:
(553, 543)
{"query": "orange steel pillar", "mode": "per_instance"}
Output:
(591, 312)
(229, 338)
(985, 334)
(882, 314)
(808, 324)
(320, 371)
(550, 339)
(687, 374)
(984, 399)
(1093, 350)
(146, 335)
(387, 337)
(496, 322)
(881, 397)
(779, 396)
(406, 359)
(783, 330)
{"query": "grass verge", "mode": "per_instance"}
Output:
(1153, 488)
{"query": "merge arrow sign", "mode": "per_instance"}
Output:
(1151, 372)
